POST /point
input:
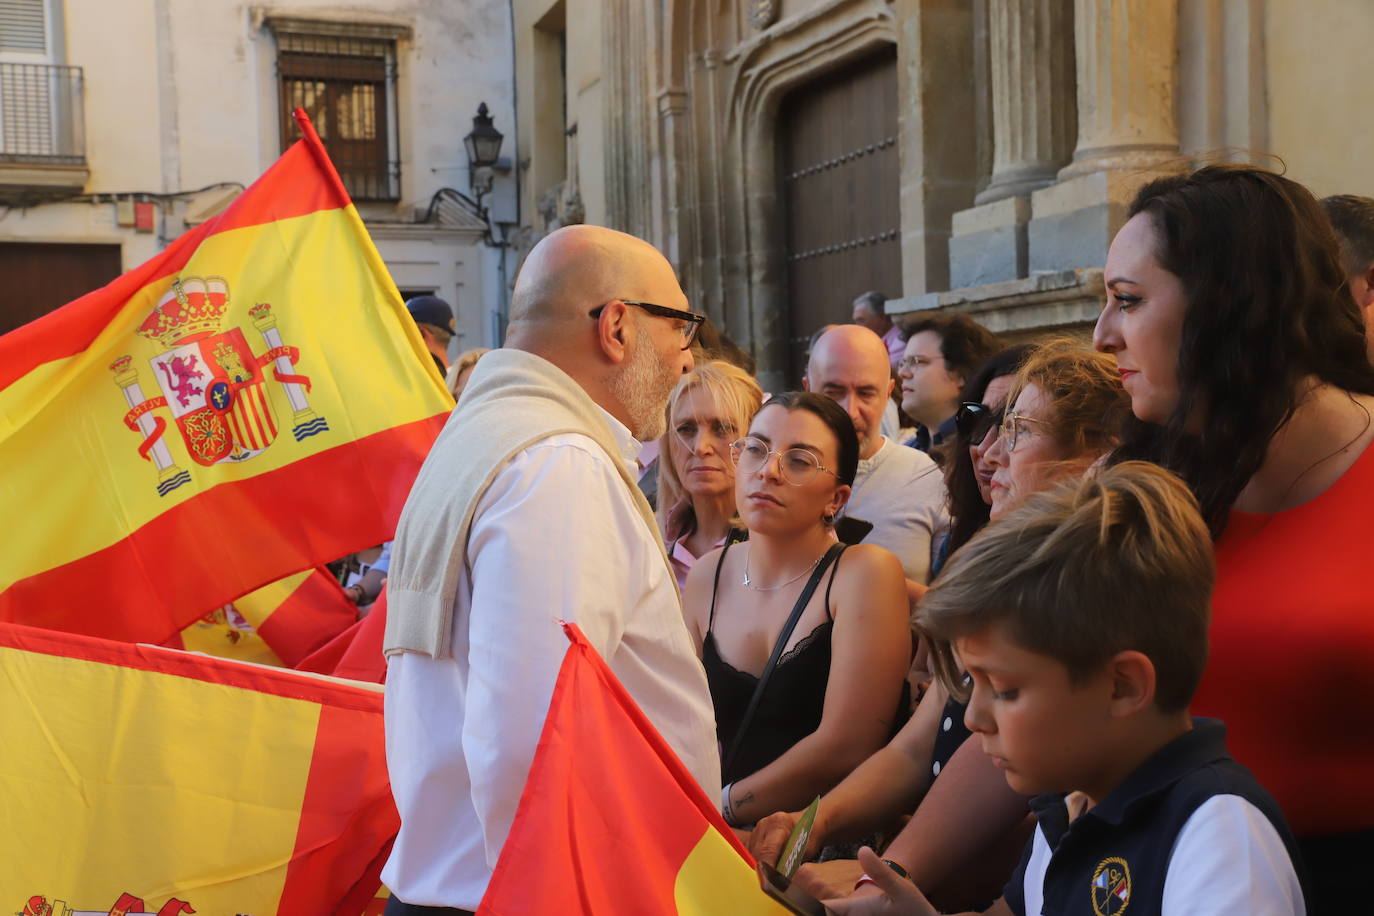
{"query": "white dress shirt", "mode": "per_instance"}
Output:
(555, 536)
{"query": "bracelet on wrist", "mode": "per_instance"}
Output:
(900, 871)
(725, 808)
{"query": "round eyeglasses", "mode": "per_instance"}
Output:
(1014, 427)
(797, 465)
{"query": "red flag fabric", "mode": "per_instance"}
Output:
(610, 821)
(355, 653)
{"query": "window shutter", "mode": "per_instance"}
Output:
(22, 26)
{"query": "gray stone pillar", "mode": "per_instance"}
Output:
(1032, 55)
(1126, 54)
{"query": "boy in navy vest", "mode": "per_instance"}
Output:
(1082, 619)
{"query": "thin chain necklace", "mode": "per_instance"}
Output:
(768, 588)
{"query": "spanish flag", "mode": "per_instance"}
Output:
(610, 820)
(279, 624)
(251, 402)
(143, 779)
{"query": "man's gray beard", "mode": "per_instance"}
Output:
(640, 388)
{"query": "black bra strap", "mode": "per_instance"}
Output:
(802, 601)
(715, 589)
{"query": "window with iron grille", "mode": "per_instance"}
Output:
(347, 86)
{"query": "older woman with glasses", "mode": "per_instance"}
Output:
(1067, 408)
(709, 409)
(806, 643)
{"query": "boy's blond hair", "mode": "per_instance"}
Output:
(1119, 560)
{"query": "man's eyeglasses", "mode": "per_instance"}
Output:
(798, 466)
(974, 420)
(910, 363)
(689, 330)
(1014, 428)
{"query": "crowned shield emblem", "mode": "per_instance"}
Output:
(212, 382)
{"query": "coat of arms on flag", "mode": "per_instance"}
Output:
(212, 382)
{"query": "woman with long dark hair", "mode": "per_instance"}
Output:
(968, 478)
(805, 642)
(1244, 356)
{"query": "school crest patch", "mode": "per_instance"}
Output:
(1111, 887)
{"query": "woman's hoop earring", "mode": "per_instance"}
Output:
(828, 520)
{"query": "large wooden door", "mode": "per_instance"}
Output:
(37, 278)
(839, 166)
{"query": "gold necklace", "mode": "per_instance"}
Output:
(768, 588)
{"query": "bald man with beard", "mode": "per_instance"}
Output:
(898, 490)
(526, 513)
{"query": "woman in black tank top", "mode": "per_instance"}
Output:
(806, 644)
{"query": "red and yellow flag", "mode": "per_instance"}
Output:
(279, 624)
(610, 820)
(155, 775)
(251, 402)
(355, 653)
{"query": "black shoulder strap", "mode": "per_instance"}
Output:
(715, 589)
(831, 584)
(802, 601)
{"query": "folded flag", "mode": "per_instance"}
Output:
(279, 624)
(355, 653)
(610, 820)
(157, 781)
(251, 402)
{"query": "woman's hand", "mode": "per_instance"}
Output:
(835, 878)
(770, 836)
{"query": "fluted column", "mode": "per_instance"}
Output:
(1031, 46)
(1126, 52)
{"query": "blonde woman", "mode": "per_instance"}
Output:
(461, 370)
(710, 408)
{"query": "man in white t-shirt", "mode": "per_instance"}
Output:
(898, 490)
(599, 335)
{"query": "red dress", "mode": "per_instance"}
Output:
(1291, 670)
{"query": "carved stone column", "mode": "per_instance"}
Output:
(625, 64)
(1031, 49)
(1126, 55)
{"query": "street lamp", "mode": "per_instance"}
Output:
(484, 148)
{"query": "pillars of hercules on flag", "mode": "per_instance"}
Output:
(303, 419)
(142, 419)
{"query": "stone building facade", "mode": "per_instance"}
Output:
(970, 155)
(125, 122)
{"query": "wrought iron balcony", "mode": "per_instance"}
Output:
(42, 120)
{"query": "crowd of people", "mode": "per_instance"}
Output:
(970, 595)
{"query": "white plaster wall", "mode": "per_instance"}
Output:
(1319, 54)
(180, 94)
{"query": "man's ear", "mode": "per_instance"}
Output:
(891, 386)
(614, 331)
(1133, 682)
(806, 382)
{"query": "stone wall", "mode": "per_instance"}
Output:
(1025, 128)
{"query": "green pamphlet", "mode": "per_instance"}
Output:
(792, 853)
